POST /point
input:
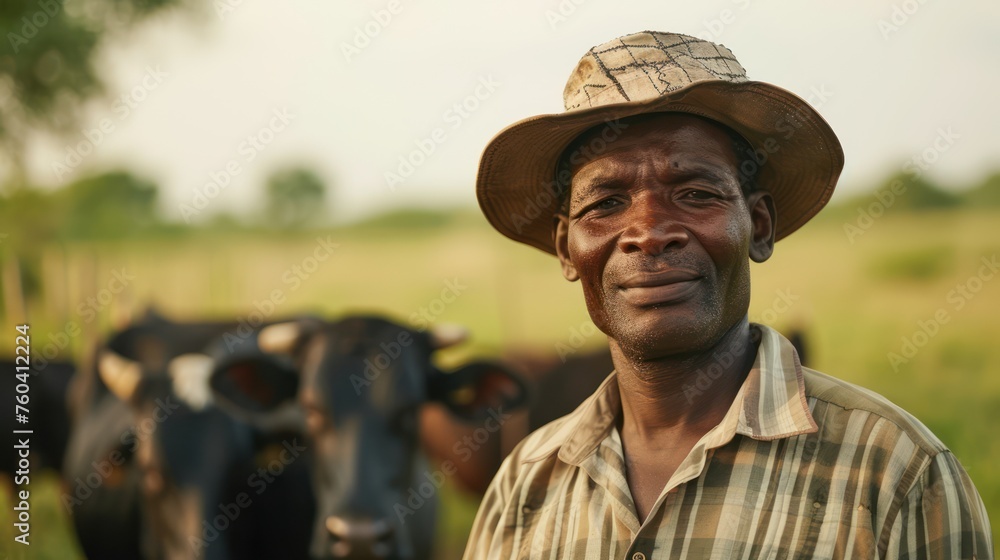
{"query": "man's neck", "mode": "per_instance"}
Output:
(682, 397)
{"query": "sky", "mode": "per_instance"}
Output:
(209, 104)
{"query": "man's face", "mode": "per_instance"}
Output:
(659, 233)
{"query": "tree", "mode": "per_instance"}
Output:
(46, 65)
(113, 204)
(295, 198)
(918, 193)
(30, 218)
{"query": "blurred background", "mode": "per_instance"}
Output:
(193, 156)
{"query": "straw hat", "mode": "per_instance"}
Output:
(798, 155)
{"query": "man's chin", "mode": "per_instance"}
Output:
(657, 332)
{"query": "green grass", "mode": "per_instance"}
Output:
(858, 302)
(50, 537)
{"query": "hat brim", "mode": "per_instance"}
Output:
(799, 156)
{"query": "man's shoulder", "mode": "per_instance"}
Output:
(841, 399)
(591, 416)
(546, 441)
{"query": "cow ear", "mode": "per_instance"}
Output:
(478, 389)
(120, 375)
(259, 377)
(255, 384)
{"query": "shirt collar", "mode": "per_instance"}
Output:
(770, 405)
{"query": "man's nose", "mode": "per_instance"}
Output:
(652, 226)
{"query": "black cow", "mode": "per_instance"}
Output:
(362, 382)
(155, 470)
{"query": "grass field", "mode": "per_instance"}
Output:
(909, 279)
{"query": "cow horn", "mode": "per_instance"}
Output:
(279, 338)
(190, 373)
(443, 336)
(120, 374)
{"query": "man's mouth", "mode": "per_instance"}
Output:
(651, 288)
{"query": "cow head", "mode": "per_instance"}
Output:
(361, 382)
(192, 457)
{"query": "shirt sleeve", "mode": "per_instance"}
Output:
(486, 537)
(941, 517)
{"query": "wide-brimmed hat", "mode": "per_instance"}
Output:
(797, 153)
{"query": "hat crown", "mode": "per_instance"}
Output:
(647, 65)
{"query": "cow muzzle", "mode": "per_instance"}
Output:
(359, 539)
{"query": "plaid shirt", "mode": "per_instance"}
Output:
(803, 465)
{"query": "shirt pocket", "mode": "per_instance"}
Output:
(523, 524)
(840, 531)
(771, 532)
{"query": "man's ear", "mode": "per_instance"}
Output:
(763, 221)
(560, 237)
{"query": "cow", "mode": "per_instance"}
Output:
(156, 471)
(362, 381)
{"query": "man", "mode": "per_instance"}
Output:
(666, 175)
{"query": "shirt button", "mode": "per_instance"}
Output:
(638, 556)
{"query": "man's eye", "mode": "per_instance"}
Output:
(700, 195)
(606, 204)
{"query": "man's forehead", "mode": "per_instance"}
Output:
(604, 137)
(676, 152)
(611, 171)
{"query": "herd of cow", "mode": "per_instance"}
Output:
(299, 439)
